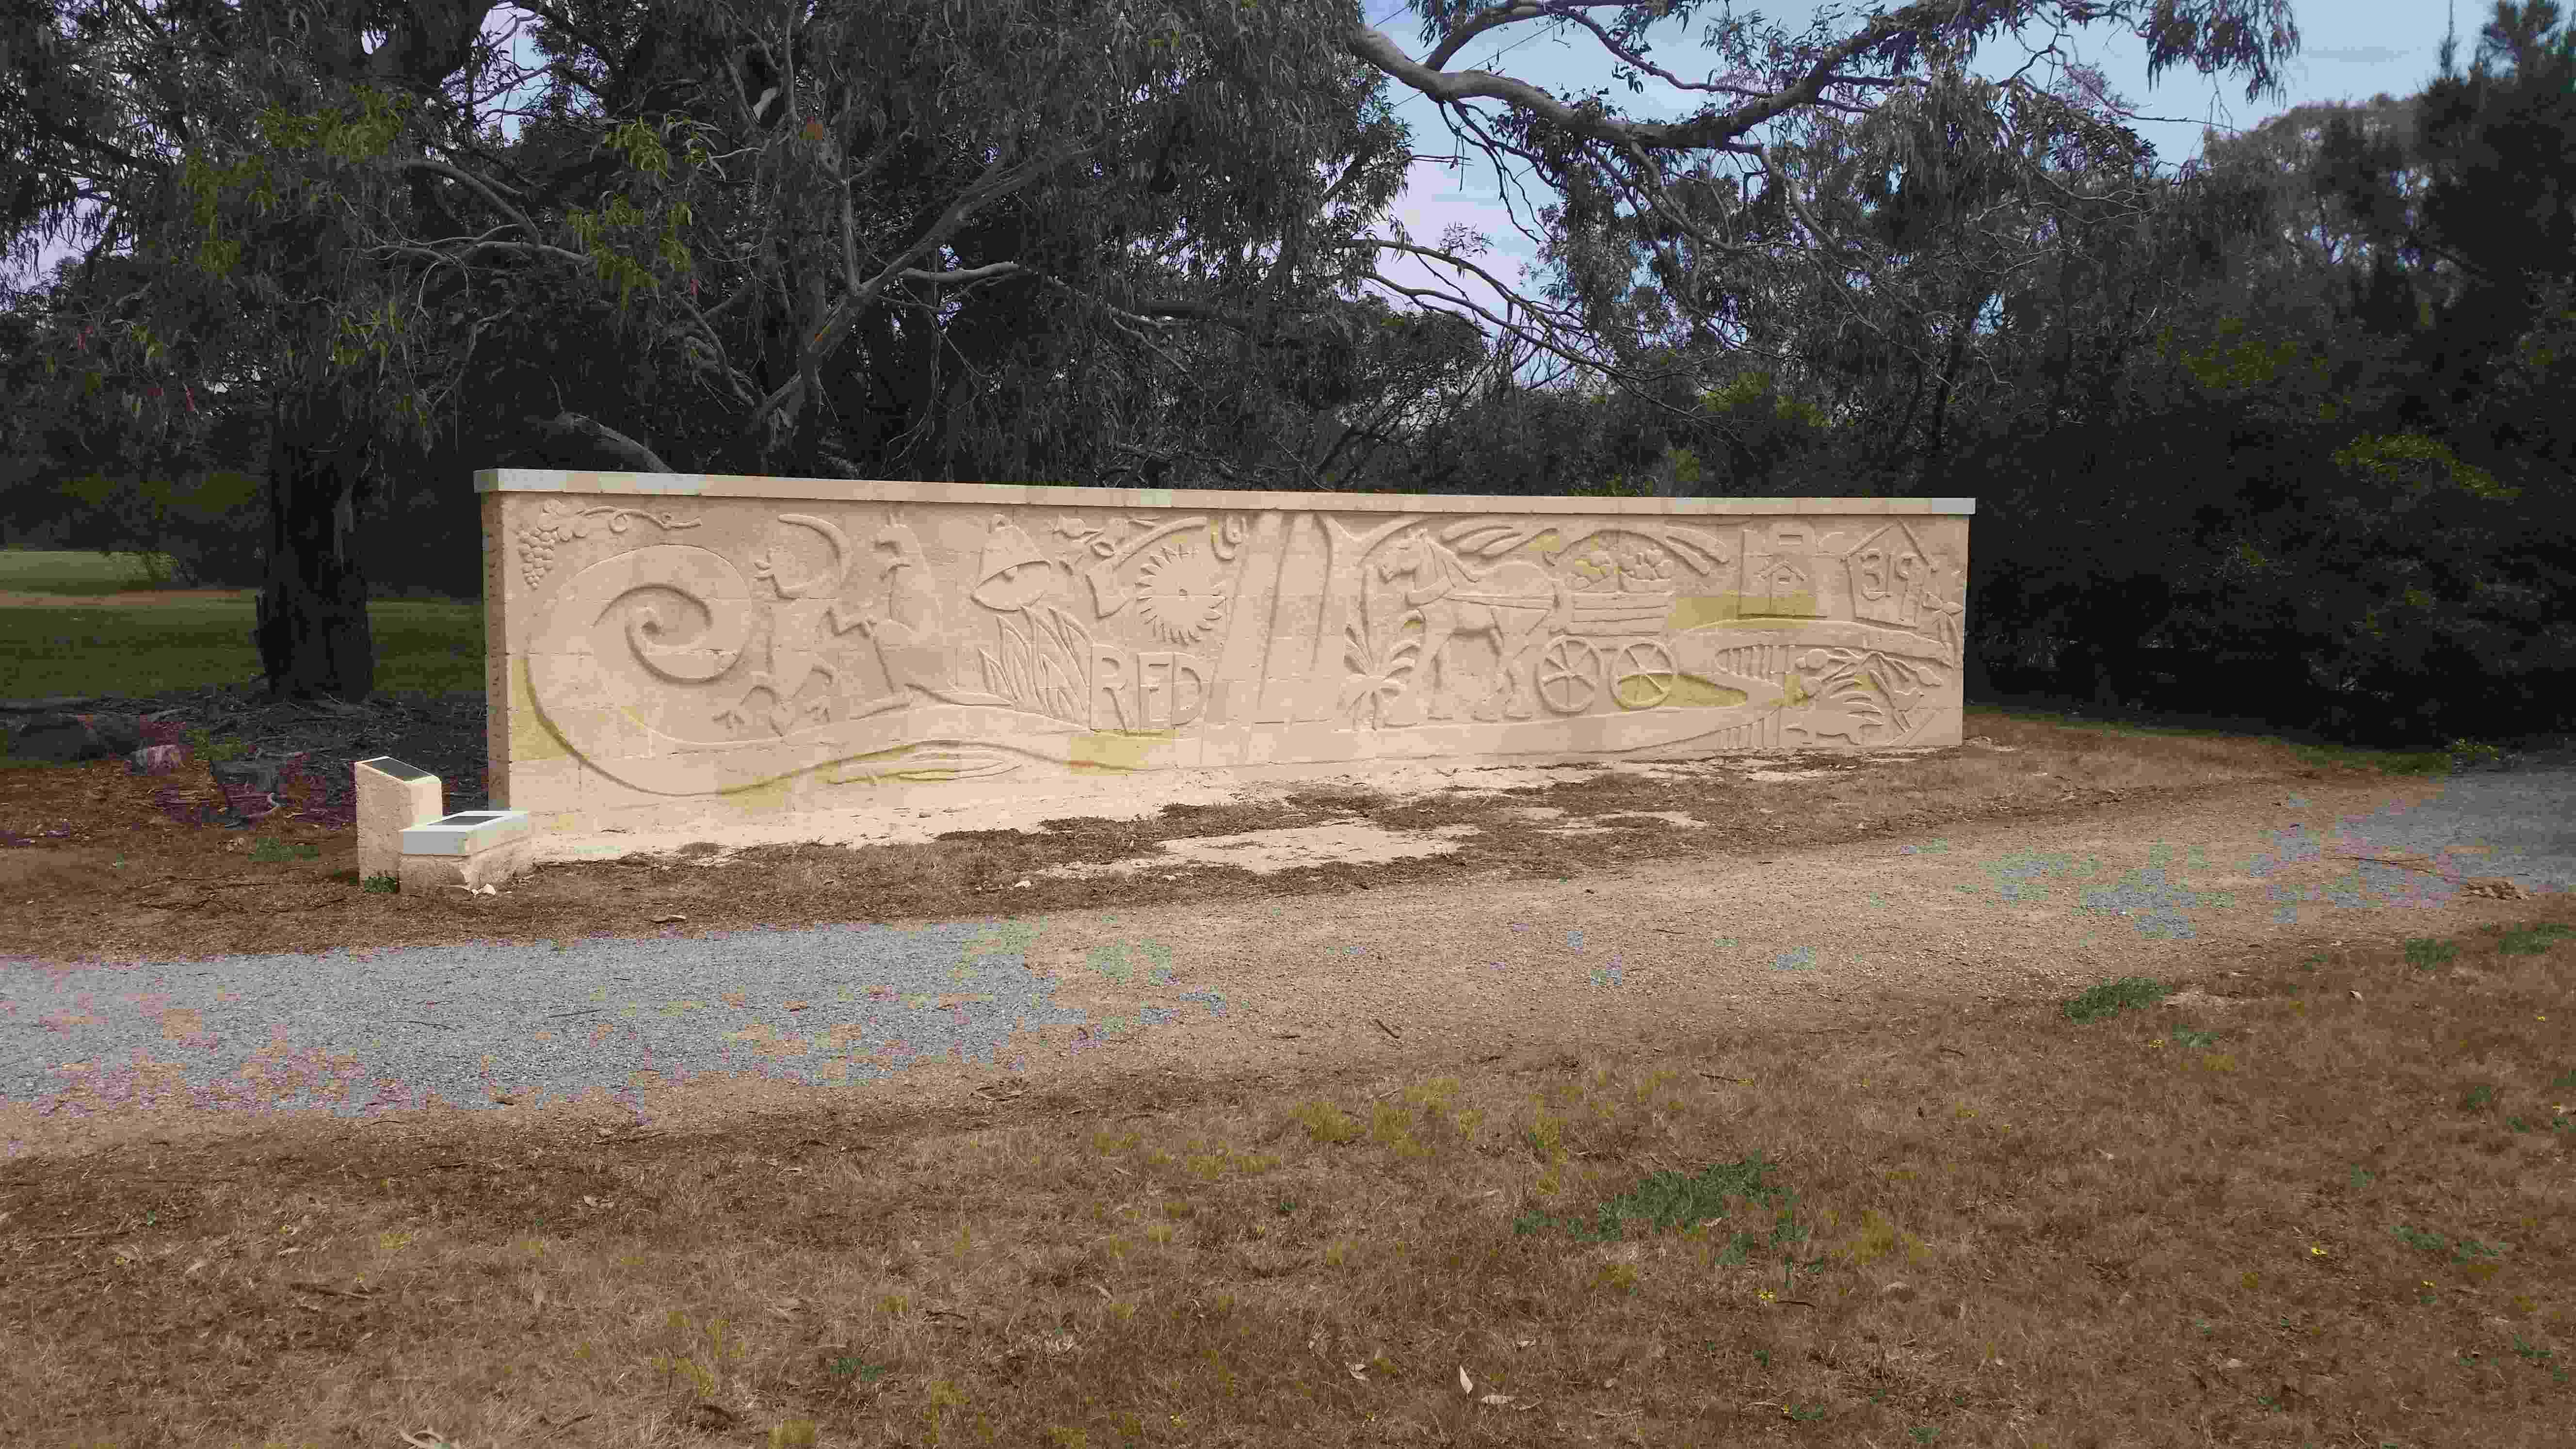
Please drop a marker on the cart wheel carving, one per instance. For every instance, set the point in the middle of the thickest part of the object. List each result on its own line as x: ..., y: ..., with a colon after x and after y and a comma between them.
x: 1651, y: 664
x: 1568, y: 665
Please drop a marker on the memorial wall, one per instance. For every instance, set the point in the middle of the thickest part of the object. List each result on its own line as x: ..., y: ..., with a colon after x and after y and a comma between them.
x: 678, y: 650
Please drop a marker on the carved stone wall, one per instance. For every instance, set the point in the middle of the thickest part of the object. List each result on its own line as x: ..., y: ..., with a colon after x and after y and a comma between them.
x: 671, y: 650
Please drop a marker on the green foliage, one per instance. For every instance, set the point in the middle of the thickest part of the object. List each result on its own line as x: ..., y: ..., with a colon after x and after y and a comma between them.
x: 203, y: 745
x: 169, y: 528
x: 2233, y: 428
x: 643, y: 150
x: 1719, y: 1193
x: 1617, y: 485
x: 2533, y: 941
x: 1754, y: 389
x: 2113, y: 997
x: 2424, y: 953
x: 2415, y: 465
x: 2243, y: 364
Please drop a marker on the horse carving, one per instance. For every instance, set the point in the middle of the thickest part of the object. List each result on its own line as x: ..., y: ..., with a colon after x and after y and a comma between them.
x: 1511, y: 601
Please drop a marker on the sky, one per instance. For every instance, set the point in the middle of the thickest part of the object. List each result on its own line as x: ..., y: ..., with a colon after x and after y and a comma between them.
x: 2349, y: 50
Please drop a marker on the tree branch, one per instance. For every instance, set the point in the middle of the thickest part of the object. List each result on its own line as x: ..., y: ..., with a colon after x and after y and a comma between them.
x: 489, y: 189
x: 572, y: 427
x: 1710, y: 130
x: 995, y: 184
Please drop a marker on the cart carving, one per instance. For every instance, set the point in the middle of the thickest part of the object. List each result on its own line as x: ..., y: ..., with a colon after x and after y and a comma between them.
x: 1607, y: 641
x: 1574, y: 644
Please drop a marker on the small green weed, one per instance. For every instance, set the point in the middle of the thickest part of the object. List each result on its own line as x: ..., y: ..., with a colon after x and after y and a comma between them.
x: 2473, y: 755
x: 1671, y: 1200
x: 2424, y: 952
x: 270, y: 849
x: 2465, y: 1250
x: 204, y: 746
x: 2532, y: 940
x: 381, y: 884
x: 2112, y: 997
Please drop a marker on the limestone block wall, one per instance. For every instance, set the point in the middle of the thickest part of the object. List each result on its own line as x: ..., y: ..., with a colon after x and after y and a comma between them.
x: 670, y: 651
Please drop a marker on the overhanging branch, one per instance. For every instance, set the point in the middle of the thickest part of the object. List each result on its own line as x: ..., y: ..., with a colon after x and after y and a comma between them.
x: 573, y: 427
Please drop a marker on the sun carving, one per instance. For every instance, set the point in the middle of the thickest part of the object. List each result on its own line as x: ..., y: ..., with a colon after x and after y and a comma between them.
x: 1183, y: 593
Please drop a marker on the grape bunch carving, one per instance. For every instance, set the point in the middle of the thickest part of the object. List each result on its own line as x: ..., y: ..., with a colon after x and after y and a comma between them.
x: 558, y: 522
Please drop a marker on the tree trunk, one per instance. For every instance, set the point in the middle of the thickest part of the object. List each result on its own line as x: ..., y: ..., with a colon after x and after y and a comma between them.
x: 313, y: 635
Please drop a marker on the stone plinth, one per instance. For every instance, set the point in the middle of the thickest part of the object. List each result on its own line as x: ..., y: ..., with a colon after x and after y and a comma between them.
x: 392, y: 798
x: 472, y: 849
x: 677, y: 651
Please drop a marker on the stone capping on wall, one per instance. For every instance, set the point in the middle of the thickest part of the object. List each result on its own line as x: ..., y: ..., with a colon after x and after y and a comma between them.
x: 680, y: 651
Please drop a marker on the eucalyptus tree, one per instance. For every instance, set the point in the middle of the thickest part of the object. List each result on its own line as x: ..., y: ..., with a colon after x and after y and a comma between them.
x: 325, y: 176
x: 2480, y: 187
x: 2334, y: 461
x: 205, y: 98
x: 61, y: 86
x: 1647, y: 193
x: 2431, y: 557
x: 307, y: 157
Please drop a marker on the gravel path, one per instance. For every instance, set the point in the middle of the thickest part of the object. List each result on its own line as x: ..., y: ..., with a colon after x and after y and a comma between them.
x: 660, y: 1030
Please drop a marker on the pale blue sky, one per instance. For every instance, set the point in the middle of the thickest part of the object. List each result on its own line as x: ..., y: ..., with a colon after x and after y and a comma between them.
x: 2349, y: 50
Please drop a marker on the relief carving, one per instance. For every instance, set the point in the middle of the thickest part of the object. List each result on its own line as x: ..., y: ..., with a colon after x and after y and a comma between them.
x: 560, y: 521
x: 959, y: 646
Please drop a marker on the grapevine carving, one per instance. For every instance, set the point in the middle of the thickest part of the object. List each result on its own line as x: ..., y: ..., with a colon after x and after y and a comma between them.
x: 560, y: 522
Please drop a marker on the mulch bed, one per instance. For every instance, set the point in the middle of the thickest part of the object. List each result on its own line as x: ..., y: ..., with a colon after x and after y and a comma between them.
x: 297, y: 755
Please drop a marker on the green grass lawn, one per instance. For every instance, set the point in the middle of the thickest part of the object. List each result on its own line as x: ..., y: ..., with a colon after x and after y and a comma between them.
x: 435, y: 646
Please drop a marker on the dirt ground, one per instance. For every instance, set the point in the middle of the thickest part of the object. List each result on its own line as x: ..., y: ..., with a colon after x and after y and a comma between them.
x: 1692, y: 866
x: 105, y: 861
x: 101, y: 862
x: 1722, y: 918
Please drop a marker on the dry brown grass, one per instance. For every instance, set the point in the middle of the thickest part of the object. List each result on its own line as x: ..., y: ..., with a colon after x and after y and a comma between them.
x: 2319, y: 1202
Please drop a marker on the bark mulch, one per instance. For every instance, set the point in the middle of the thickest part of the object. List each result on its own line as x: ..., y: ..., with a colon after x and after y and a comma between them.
x: 291, y: 759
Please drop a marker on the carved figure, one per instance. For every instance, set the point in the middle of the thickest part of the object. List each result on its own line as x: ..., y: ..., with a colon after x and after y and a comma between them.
x: 1512, y: 602
x: 911, y: 636
x: 797, y: 633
